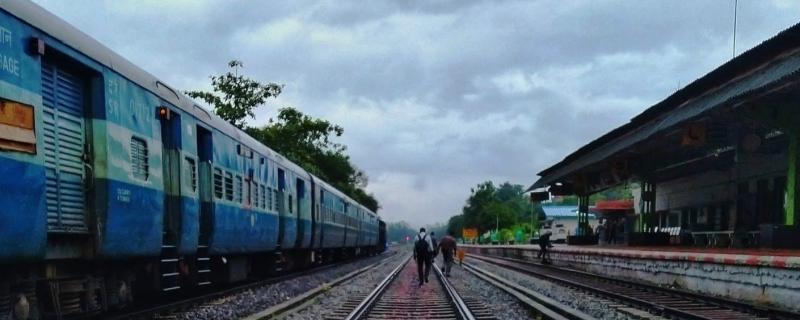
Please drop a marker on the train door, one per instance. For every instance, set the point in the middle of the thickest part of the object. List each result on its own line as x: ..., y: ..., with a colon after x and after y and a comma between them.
x: 205, y: 186
x: 66, y: 151
x: 171, y: 164
x: 345, y: 224
x: 315, y: 222
x: 282, y: 223
x: 300, y: 194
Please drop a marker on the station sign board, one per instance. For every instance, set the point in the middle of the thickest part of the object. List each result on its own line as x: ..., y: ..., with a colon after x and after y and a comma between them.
x: 469, y: 233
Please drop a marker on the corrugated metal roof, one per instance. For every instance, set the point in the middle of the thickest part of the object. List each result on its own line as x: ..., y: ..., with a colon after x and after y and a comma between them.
x: 560, y: 211
x: 768, y: 65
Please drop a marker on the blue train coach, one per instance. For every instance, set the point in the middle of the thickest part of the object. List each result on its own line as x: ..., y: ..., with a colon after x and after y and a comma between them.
x: 113, y: 185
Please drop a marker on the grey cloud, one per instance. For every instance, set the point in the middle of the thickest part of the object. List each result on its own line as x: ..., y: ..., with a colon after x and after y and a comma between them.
x: 436, y: 96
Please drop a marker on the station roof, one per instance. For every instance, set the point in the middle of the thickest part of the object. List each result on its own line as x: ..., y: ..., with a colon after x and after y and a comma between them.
x: 768, y: 66
x: 560, y: 211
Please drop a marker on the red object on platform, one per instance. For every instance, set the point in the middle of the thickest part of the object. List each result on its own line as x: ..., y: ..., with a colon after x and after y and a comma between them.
x: 613, y: 206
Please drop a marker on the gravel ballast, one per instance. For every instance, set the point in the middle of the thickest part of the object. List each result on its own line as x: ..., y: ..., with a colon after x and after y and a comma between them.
x: 591, y: 305
x: 325, y: 304
x: 255, y: 300
x: 503, y: 305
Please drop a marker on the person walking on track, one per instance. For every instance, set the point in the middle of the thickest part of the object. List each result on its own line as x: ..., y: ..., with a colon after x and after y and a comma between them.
x: 423, y: 254
x: 448, y: 248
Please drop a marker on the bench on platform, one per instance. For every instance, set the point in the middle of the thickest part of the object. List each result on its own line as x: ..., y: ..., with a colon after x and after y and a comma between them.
x: 713, y: 239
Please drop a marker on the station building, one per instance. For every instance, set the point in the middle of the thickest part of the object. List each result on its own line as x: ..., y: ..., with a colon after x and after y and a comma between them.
x: 715, y: 162
x: 714, y: 174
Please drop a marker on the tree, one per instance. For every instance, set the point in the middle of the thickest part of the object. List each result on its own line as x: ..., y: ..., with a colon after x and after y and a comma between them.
x: 304, y: 140
x: 455, y: 225
x: 308, y: 142
x: 235, y: 96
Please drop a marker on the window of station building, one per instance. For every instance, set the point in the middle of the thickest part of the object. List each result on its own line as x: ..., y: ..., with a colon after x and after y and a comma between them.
x: 228, y: 186
x: 238, y: 190
x: 190, y: 174
x: 217, y: 183
x: 139, y: 165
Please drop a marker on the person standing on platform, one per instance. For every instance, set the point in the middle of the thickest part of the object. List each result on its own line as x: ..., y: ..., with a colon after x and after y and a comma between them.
x: 448, y: 248
x: 544, y: 245
x: 601, y: 232
x: 423, y: 254
x: 611, y: 230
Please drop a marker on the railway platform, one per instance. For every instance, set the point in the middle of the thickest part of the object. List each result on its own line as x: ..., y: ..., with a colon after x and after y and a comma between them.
x: 768, y: 277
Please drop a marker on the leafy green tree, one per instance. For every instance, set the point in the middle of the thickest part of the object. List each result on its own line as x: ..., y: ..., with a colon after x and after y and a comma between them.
x: 455, y: 225
x: 489, y: 207
x: 236, y: 96
x: 304, y: 140
x: 308, y: 142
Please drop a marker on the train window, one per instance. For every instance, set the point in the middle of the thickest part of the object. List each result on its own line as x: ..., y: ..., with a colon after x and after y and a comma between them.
x: 217, y: 183
x: 237, y: 192
x: 263, y: 198
x: 275, y: 199
x: 290, y: 204
x: 254, y: 195
x: 269, y: 198
x: 191, y: 174
x: 139, y: 166
x: 228, y: 186
x: 253, y: 188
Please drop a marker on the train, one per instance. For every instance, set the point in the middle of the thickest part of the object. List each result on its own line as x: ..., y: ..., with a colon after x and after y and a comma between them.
x: 115, y: 186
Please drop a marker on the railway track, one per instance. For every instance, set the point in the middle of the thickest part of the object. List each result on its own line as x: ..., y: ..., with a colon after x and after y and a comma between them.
x: 670, y: 303
x: 167, y: 310
x: 399, y: 296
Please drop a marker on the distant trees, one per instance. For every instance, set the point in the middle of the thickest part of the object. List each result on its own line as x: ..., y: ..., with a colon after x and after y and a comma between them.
x: 491, y: 207
x: 398, y: 231
x: 304, y: 140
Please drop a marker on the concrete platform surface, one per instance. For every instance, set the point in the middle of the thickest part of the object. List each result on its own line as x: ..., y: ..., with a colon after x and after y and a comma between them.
x: 782, y: 259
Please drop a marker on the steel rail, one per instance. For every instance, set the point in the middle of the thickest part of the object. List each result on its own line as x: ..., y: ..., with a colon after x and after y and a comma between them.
x: 544, y: 306
x: 758, y: 311
x: 150, y: 312
x: 364, y: 307
x: 458, y: 305
x: 455, y: 299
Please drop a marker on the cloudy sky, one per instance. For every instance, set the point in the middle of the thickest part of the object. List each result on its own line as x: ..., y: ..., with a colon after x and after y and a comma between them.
x: 437, y: 96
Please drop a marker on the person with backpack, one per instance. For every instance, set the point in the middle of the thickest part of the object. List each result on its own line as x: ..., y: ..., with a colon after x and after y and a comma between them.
x: 423, y: 253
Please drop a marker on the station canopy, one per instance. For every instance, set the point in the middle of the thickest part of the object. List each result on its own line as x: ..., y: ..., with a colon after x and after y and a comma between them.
x: 655, y: 141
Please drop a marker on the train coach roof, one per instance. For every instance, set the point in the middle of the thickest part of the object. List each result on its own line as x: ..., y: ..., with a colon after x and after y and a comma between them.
x: 76, y: 39
x: 336, y: 192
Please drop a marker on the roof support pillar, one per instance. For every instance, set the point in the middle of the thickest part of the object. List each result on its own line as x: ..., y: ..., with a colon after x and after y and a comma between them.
x: 648, y: 207
x: 783, y: 116
x: 790, y: 206
x: 583, y: 215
